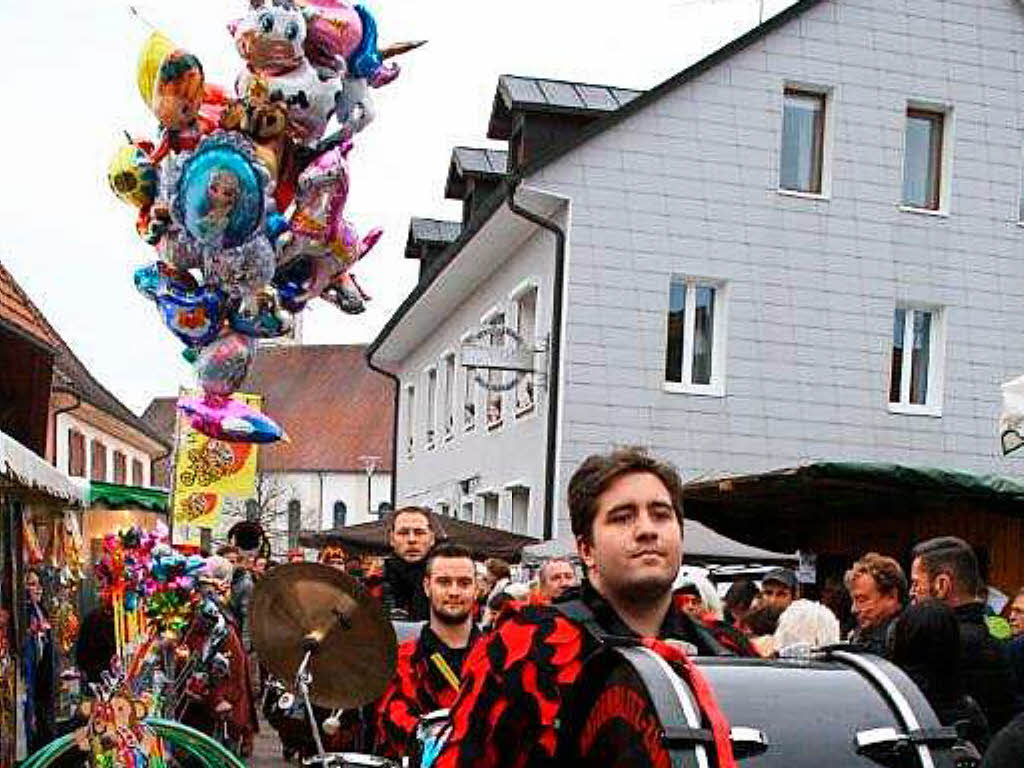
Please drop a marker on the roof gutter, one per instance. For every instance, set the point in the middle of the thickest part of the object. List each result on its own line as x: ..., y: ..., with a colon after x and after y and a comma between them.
x: 394, y: 421
x: 58, y: 412
x: 554, y: 361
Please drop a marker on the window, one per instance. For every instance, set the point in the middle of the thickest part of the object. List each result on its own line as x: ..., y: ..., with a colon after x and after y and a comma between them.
x: 467, y: 511
x: 693, y: 354
x: 76, y: 453
x: 410, y: 419
x: 137, y: 478
x: 922, y: 159
x: 340, y: 513
x: 803, y: 141
x: 915, y: 379
x: 468, y: 398
x: 294, y: 523
x: 520, y: 509
x: 431, y: 406
x: 99, y: 461
x: 526, y: 329
x: 490, y: 504
x: 443, y: 508
x: 448, y: 404
x: 495, y: 401
x: 120, y: 468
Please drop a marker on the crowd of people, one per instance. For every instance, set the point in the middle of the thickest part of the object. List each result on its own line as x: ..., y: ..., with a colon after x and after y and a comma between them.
x: 503, y: 653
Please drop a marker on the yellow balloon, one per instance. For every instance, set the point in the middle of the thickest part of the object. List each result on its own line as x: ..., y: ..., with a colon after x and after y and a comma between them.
x: 150, y: 57
x: 132, y: 176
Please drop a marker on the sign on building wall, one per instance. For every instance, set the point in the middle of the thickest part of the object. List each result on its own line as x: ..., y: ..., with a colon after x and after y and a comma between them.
x: 206, y: 473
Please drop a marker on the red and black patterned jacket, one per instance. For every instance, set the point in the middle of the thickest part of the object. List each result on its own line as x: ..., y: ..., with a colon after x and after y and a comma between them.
x: 418, y: 687
x: 516, y: 680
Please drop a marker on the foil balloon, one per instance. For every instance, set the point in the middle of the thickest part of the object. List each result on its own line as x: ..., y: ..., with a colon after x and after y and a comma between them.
x: 230, y: 420
x: 269, y: 321
x: 292, y: 282
x: 346, y: 294
x: 133, y: 176
x: 219, y: 195
x: 222, y: 365
x: 193, y: 313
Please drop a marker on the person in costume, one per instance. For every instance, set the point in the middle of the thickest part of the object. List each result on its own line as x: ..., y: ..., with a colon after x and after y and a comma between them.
x: 626, y: 511
x: 40, y: 659
x: 429, y: 669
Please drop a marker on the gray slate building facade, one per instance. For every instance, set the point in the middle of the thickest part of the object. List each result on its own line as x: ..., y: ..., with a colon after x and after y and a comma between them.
x: 807, y: 246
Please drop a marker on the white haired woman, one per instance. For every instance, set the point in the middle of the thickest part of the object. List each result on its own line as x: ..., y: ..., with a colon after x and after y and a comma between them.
x: 804, y: 625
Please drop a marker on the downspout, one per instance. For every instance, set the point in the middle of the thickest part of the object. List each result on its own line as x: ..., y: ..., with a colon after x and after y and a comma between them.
x: 58, y: 412
x: 556, y: 351
x: 394, y: 425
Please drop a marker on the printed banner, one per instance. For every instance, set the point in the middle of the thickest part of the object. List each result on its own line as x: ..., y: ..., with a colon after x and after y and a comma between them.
x: 206, y: 470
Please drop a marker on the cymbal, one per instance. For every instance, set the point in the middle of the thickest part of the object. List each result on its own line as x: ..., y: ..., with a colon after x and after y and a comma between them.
x: 302, y: 605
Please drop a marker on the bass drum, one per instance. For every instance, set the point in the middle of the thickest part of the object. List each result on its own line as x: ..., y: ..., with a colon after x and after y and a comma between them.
x: 836, y: 710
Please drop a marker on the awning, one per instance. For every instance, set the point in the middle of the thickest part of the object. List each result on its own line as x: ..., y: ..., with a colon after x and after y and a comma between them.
x: 369, y: 538
x: 700, y: 545
x: 858, y: 476
x: 130, y: 496
x: 22, y: 468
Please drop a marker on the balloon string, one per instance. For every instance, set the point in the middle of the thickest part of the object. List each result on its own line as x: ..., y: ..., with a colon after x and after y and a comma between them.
x: 135, y: 12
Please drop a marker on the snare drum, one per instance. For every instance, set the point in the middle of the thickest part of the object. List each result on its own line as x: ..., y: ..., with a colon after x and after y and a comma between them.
x: 837, y: 710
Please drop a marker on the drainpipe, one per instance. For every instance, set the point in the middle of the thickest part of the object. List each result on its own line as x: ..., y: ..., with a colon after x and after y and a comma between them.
x: 394, y: 426
x: 556, y: 351
x: 58, y: 412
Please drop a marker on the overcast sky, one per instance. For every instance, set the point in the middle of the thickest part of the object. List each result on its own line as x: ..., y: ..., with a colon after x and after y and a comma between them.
x: 68, y: 71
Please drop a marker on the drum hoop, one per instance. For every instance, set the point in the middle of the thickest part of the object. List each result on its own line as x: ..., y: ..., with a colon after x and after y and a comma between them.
x: 899, y: 702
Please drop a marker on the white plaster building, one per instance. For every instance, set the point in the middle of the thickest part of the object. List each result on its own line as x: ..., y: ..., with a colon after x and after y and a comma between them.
x: 803, y: 247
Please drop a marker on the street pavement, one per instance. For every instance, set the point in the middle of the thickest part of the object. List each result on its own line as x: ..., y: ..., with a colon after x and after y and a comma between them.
x: 266, y: 751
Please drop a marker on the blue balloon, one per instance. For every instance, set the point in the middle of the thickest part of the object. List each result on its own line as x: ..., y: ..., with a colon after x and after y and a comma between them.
x: 220, y: 195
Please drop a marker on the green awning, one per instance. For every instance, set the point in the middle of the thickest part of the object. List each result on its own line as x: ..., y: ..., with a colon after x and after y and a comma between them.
x: 130, y: 496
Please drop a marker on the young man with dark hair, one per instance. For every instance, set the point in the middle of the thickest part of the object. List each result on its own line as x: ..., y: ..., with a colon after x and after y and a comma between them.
x: 945, y: 568
x: 411, y: 535
x: 878, y: 591
x: 626, y: 512
x: 429, y: 669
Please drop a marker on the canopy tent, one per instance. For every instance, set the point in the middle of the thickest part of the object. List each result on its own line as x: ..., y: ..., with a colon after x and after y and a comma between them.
x: 370, y: 538
x: 127, y: 496
x: 24, y: 471
x: 700, y: 545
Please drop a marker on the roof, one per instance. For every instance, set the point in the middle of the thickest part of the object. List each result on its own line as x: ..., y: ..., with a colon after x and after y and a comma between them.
x: 435, y: 232
x: 470, y: 162
x: 535, y: 94
x: 71, y: 375
x: 515, y: 93
x: 333, y: 407
x: 700, y: 544
x: 160, y: 415
x: 18, y: 313
x: 370, y: 538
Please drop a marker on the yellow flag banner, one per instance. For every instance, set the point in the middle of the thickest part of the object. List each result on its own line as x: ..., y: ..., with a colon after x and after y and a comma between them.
x: 206, y: 470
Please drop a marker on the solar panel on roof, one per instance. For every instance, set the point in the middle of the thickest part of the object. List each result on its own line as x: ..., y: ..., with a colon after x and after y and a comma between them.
x: 560, y: 94
x: 624, y: 95
x: 597, y: 97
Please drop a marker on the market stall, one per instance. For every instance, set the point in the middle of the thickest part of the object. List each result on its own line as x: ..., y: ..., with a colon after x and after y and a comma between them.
x: 39, y: 520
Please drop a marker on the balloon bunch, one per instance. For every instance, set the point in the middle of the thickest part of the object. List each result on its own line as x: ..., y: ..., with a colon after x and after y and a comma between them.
x: 243, y: 197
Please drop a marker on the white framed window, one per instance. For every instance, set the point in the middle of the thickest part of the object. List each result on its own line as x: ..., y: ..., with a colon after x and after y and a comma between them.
x: 444, y: 509
x: 806, y: 141
x: 489, y: 501
x: 410, y: 420
x: 526, y: 330
x: 927, y: 158
x: 918, y: 360
x: 467, y: 511
x: 448, y: 401
x: 495, y: 411
x: 520, y: 502
x: 431, y: 407
x: 696, y: 335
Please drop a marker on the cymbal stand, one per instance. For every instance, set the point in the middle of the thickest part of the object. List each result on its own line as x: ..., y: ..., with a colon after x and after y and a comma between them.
x: 303, y: 679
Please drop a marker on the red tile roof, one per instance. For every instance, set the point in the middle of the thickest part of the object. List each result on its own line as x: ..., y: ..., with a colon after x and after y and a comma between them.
x: 18, y: 312
x: 333, y: 407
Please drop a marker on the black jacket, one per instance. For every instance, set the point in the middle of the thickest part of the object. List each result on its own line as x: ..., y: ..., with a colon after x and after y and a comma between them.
x: 876, y: 640
x: 987, y: 674
x: 1007, y: 747
x: 403, y: 589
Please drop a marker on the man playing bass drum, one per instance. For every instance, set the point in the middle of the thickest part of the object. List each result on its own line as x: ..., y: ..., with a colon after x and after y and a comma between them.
x: 626, y: 512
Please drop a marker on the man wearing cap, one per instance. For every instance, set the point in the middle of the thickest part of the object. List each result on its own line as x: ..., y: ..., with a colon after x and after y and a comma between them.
x: 778, y: 588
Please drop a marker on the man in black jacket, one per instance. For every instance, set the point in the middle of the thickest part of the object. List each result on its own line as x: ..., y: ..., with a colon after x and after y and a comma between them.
x: 947, y: 569
x: 411, y: 535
